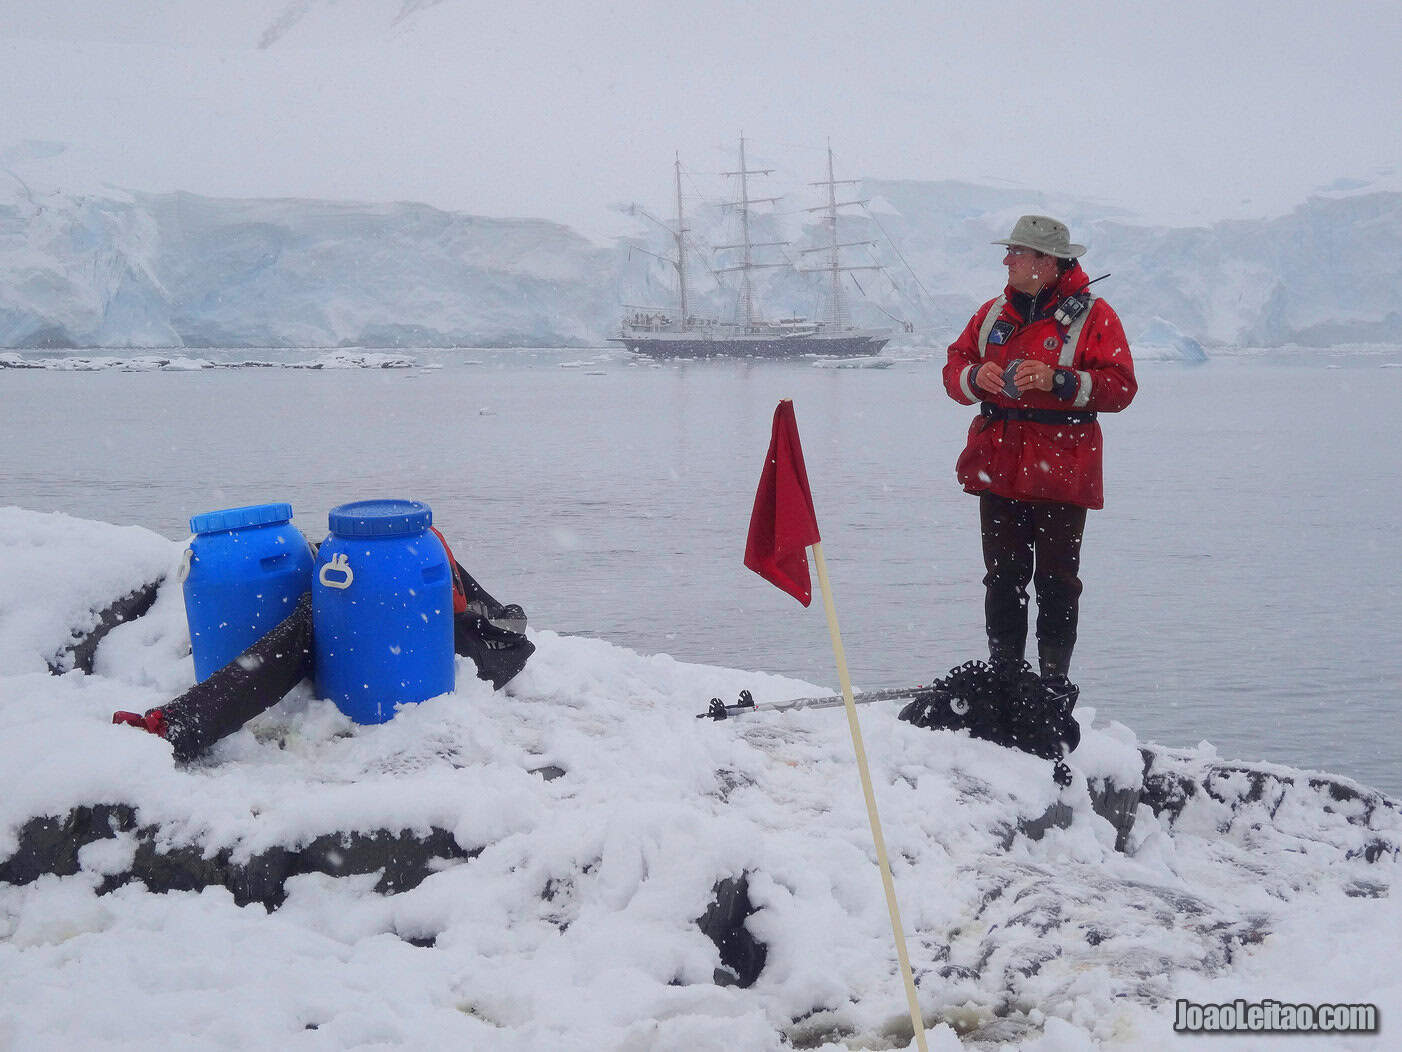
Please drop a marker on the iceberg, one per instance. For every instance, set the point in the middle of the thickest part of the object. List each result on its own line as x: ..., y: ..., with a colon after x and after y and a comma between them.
x: 1161, y: 340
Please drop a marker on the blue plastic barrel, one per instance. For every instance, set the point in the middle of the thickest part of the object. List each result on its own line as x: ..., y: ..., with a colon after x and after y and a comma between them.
x: 243, y: 573
x: 382, y: 609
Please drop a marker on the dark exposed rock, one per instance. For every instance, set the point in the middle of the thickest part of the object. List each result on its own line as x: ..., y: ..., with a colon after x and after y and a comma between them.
x: 1006, y: 832
x: 1030, y: 962
x: 1041, y: 913
x: 957, y: 971
x: 1000, y: 1032
x: 403, y: 859
x: 1057, y: 816
x: 50, y: 845
x: 727, y: 781
x: 1366, y: 889
x: 1219, y: 784
x: 177, y: 868
x: 560, y: 905
x: 1376, y: 849
x: 80, y: 652
x: 742, y: 956
x: 261, y: 879
x: 819, y: 1029
x: 1117, y: 806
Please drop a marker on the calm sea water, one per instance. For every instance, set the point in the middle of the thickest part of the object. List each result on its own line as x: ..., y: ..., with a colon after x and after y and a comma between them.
x: 1242, y: 584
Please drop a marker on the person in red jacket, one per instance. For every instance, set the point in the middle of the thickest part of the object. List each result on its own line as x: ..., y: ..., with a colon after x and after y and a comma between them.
x: 1041, y: 360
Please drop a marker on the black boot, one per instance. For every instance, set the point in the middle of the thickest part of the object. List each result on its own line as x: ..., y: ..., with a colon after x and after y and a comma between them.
x: 1055, y: 661
x: 1004, y: 653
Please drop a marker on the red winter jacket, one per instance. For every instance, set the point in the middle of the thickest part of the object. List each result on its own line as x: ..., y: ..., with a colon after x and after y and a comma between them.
x: 1027, y: 459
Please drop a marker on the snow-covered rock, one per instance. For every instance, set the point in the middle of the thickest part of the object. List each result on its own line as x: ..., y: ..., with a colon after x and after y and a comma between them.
x: 57, y: 575
x: 540, y: 859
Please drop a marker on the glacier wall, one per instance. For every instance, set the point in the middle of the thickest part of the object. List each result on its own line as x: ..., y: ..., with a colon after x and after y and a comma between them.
x: 128, y: 270
x: 179, y: 270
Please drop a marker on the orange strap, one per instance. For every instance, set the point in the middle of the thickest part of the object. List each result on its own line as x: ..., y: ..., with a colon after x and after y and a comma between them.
x: 459, y: 596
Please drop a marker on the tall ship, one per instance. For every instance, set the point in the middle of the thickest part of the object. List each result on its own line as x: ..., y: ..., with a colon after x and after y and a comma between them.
x: 679, y: 332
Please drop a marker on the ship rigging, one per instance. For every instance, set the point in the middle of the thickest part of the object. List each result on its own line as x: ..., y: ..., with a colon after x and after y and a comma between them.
x: 685, y: 334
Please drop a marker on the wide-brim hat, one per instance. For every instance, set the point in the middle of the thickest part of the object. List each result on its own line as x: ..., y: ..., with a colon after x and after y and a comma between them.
x: 1043, y: 234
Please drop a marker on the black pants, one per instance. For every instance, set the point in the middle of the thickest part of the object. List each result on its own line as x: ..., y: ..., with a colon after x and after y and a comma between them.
x: 1032, y: 541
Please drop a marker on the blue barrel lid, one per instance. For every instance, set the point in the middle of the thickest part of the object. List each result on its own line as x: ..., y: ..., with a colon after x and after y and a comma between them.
x: 240, y: 518
x: 380, y: 518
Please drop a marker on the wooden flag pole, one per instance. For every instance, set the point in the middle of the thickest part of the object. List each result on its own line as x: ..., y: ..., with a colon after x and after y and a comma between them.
x: 915, y: 1018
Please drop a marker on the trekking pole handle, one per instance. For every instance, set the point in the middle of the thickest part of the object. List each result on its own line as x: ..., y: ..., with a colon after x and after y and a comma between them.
x: 719, y: 710
x: 340, y: 564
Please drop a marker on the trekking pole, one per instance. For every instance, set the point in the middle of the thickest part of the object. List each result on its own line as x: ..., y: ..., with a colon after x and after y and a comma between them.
x: 746, y: 703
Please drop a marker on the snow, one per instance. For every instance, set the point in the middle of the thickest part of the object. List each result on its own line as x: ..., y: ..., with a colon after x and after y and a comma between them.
x: 574, y: 927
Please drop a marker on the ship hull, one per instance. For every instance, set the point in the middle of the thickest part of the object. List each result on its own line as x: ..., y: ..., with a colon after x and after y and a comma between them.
x: 661, y: 346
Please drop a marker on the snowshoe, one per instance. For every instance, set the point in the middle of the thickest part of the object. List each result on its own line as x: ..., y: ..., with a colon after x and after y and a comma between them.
x: 1007, y: 704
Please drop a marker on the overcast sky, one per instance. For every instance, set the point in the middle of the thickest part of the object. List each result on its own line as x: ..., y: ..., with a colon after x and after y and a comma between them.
x: 1188, y: 111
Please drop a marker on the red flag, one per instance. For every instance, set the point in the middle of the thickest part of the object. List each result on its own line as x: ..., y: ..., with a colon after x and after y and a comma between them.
x: 783, y: 523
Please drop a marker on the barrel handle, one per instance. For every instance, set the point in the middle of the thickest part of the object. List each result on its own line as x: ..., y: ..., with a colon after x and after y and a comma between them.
x: 185, y: 565
x: 340, y: 564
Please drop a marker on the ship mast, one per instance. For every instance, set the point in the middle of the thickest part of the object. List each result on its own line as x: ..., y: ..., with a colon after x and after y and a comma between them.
x: 748, y: 295
x: 677, y: 234
x: 834, y: 260
x: 837, y: 313
x: 747, y: 264
x: 681, y: 247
